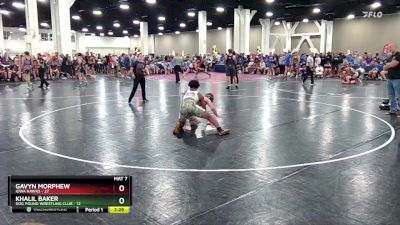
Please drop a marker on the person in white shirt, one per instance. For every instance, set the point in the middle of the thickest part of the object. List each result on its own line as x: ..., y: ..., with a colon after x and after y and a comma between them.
x: 319, y: 71
x: 309, y: 68
x: 261, y: 67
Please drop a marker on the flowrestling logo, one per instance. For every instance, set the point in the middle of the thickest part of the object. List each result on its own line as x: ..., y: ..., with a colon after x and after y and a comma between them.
x: 373, y: 14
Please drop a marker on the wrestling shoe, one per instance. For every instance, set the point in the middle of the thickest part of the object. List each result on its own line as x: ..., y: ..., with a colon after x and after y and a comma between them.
x: 178, y: 128
x: 223, y: 132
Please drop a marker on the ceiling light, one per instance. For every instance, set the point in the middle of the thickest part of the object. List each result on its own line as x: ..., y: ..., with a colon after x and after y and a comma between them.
x: 124, y: 31
x: 136, y: 22
x: 197, y: 30
x: 177, y: 32
x: 191, y: 14
x: 76, y: 17
x: 96, y: 12
x: 269, y: 1
x: 209, y: 24
x: 4, y: 12
x: 219, y: 28
x: 316, y: 10
x: 42, y: 0
x: 18, y: 5
x: 126, y: 36
x: 277, y: 23
x: 44, y: 24
x: 110, y: 33
x: 161, y: 28
x: 85, y: 30
x: 135, y: 35
x: 220, y: 9
x: 305, y: 20
x: 160, y: 34
x: 102, y: 34
x: 99, y: 27
x: 182, y: 25
x: 92, y: 34
x: 151, y: 1
x: 161, y: 18
x: 23, y: 29
x: 269, y: 14
x: 124, y: 6
x: 350, y: 16
x: 117, y: 25
x: 376, y: 5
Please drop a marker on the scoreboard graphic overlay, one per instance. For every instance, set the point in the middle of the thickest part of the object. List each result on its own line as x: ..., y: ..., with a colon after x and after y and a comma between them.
x: 70, y: 194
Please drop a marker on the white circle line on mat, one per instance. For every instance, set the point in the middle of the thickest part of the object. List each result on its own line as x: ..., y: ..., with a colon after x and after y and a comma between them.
x: 392, y: 136
x: 334, y: 95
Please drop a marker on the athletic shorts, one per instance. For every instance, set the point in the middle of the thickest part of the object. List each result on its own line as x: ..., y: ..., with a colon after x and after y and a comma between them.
x: 230, y: 71
x: 190, y: 108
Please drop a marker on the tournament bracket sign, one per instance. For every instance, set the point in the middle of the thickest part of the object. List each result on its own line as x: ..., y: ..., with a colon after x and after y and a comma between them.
x: 70, y: 194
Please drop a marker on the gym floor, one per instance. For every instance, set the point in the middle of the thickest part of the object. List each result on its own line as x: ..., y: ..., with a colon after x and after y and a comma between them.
x: 322, y: 154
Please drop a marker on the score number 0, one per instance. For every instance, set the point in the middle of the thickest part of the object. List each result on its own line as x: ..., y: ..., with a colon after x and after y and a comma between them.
x: 121, y: 200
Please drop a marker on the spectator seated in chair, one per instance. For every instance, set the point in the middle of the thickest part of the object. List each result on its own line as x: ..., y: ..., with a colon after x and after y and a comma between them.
x: 3, y: 73
x: 375, y: 72
x: 251, y: 67
x: 327, y: 70
x: 319, y: 71
x: 15, y: 75
x: 261, y: 67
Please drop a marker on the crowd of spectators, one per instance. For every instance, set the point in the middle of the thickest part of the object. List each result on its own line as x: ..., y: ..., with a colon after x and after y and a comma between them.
x: 349, y: 67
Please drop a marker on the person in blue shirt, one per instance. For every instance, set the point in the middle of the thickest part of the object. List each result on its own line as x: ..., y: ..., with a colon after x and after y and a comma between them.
x: 375, y: 72
x: 303, y: 59
x: 271, y: 64
x: 349, y: 59
x: 303, y: 71
x: 288, y: 60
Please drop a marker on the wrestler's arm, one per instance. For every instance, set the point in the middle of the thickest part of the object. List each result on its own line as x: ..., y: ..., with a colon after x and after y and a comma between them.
x: 212, y: 106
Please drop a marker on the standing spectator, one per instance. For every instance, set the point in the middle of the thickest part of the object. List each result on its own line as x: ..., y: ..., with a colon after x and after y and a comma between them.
x: 288, y: 60
x: 323, y: 59
x: 281, y: 63
x: 317, y: 59
x: 139, y: 70
x: 340, y: 61
x: 392, y: 72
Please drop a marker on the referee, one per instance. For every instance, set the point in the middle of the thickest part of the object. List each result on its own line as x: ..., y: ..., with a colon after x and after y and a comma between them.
x: 309, y: 69
x: 139, y: 71
x: 178, y: 62
x: 230, y: 63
